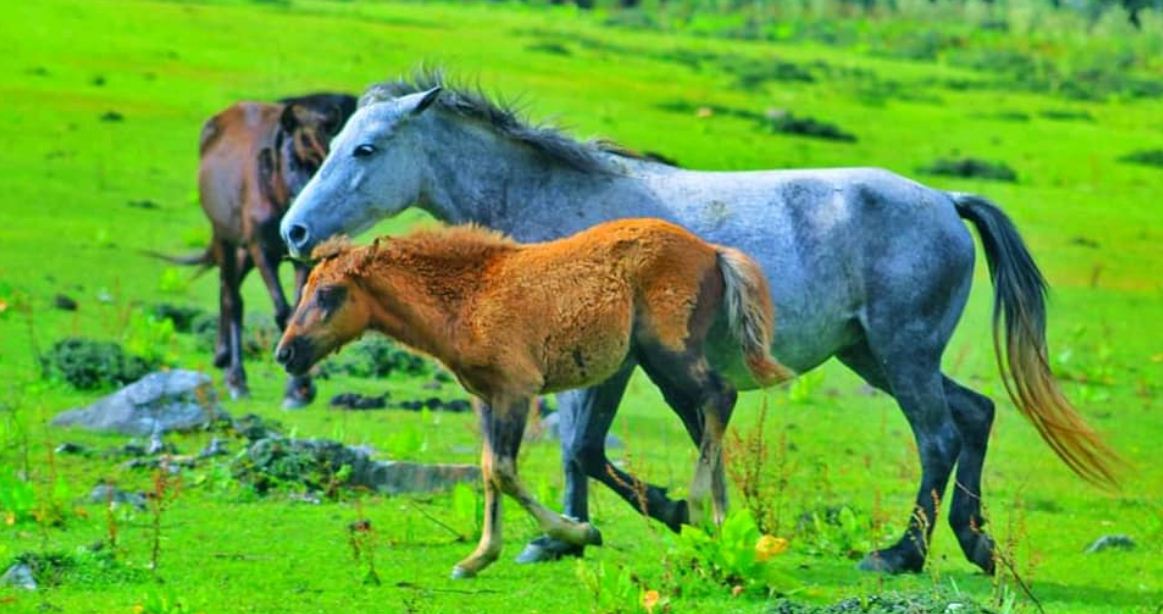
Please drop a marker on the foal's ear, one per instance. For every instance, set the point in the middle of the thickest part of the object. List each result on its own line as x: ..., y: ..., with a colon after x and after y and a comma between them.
x: 414, y: 104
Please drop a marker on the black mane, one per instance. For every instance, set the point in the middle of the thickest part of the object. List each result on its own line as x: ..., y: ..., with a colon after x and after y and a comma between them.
x: 473, y: 103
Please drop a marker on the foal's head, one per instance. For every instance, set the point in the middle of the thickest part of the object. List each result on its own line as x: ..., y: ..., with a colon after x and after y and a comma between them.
x: 335, y: 308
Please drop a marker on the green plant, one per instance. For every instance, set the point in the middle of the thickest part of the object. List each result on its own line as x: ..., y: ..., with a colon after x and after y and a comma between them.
x: 738, y: 557
x: 838, y: 531
x: 86, y: 364
x: 150, y: 338
x: 610, y: 591
x: 17, y: 498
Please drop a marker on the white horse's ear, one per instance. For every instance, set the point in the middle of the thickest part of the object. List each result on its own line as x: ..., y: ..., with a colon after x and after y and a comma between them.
x: 414, y: 104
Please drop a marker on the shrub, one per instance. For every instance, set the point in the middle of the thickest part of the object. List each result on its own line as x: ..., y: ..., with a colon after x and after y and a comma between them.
x: 971, y: 168
x: 88, y: 365
x: 374, y: 357
x: 787, y: 123
x: 1146, y: 157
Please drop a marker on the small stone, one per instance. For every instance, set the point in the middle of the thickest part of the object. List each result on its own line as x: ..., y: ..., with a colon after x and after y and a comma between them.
x: 64, y: 303
x: 1106, y: 542
x: 112, y: 116
x: 216, y: 447
x: 433, y: 403
x: 19, y: 575
x: 108, y: 493
x: 69, y: 448
x: 458, y: 406
x: 433, y: 384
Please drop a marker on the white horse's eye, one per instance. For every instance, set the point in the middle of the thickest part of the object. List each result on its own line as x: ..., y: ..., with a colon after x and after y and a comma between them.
x: 363, y: 151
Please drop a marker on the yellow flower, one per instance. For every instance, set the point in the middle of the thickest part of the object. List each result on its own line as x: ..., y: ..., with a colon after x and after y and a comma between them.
x: 769, y: 546
x: 3, y: 305
x: 10, y: 518
x: 650, y: 599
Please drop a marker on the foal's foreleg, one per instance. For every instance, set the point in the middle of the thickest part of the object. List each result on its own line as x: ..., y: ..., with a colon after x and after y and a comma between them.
x: 503, y: 426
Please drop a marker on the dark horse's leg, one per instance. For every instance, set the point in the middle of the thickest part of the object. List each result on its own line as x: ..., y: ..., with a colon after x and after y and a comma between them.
x: 231, y: 268
x: 973, y: 414
x: 300, y: 390
x: 585, y: 420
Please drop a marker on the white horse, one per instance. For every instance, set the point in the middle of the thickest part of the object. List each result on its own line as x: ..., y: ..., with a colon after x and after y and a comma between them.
x: 863, y: 264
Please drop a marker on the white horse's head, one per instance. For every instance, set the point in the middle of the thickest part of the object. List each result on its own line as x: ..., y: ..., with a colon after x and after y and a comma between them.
x: 374, y: 171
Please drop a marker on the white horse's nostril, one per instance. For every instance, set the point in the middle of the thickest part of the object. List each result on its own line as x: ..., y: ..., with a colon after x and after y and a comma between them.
x: 297, y: 235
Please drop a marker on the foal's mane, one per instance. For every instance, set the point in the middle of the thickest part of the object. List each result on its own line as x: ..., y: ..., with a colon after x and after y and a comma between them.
x: 468, y: 244
x: 473, y: 102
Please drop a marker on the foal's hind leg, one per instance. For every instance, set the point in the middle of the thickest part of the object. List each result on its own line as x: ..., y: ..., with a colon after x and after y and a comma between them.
x: 704, y: 402
x: 973, y: 414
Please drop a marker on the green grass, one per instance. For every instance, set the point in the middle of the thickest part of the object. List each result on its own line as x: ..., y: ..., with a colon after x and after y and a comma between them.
x: 1090, y: 219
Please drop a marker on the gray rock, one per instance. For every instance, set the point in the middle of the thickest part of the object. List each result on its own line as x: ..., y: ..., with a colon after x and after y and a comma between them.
x: 104, y: 493
x: 19, y: 575
x: 164, y: 401
x: 1106, y: 542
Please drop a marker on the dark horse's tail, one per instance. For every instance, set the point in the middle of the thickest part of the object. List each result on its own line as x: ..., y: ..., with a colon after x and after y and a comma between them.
x: 1020, y: 296
x: 204, y: 261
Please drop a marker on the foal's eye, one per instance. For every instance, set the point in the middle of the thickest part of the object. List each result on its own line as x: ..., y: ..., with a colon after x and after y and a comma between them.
x: 363, y: 151
x: 329, y: 297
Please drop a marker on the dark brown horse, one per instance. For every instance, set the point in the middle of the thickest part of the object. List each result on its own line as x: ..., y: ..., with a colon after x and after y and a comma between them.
x: 254, y: 158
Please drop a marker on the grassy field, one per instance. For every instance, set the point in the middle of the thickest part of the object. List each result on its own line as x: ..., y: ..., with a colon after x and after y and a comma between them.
x: 71, y: 171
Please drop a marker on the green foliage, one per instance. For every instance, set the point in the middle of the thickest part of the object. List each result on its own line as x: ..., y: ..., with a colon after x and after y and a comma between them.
x: 150, y: 338
x: 86, y: 364
x: 374, y: 357
x: 611, y: 591
x: 971, y: 168
x: 297, y: 464
x: 1146, y: 157
x: 838, y: 531
x: 733, y: 557
x: 18, y: 501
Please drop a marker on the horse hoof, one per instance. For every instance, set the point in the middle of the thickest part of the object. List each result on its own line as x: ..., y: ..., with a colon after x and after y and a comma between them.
x: 460, y: 573
x: 593, y: 535
x: 890, y: 561
x: 545, y: 549
x: 238, y: 392
x: 294, y: 402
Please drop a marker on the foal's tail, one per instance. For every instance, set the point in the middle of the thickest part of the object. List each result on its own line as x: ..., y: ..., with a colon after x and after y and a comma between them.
x: 1020, y: 295
x: 751, y: 315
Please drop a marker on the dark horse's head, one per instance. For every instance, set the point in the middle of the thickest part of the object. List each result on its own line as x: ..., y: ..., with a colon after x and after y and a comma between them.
x: 301, y: 141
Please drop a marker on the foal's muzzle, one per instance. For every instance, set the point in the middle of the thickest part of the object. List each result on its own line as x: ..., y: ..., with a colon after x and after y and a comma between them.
x: 295, y: 355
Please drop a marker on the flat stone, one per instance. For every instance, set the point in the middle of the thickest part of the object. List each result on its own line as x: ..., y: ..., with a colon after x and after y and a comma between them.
x: 396, y: 477
x: 160, y: 402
